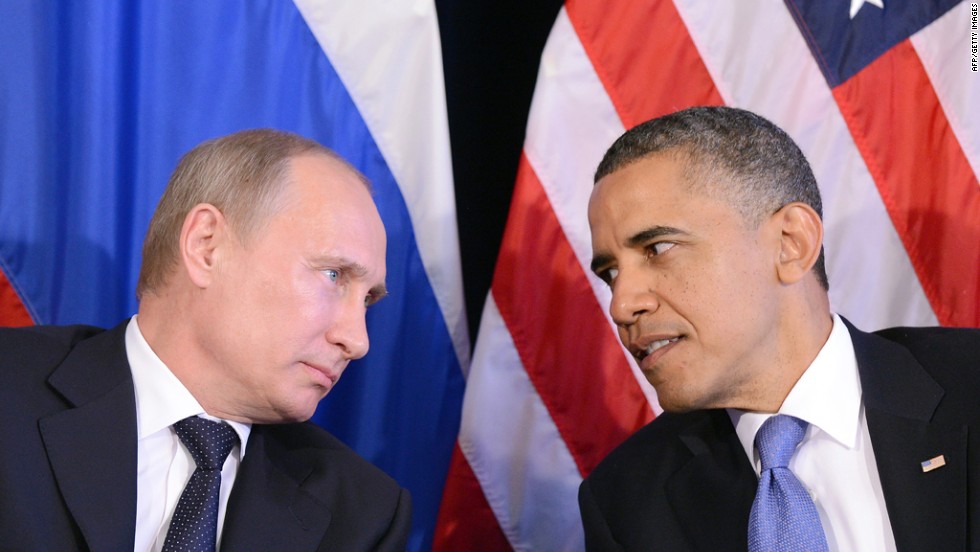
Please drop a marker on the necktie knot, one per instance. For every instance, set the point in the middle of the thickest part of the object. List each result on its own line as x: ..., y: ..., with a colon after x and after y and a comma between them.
x: 194, y: 525
x: 783, y: 515
x: 208, y: 442
x: 777, y: 440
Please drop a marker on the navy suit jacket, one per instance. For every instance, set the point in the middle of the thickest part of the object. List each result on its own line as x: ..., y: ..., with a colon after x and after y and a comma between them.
x: 683, y: 482
x: 68, y: 462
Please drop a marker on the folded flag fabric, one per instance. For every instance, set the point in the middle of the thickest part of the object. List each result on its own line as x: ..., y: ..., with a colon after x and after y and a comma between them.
x: 880, y: 95
x: 99, y: 100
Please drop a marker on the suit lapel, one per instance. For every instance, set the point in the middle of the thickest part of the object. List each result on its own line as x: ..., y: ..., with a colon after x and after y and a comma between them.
x: 712, y: 493
x: 268, y: 494
x: 927, y: 510
x: 92, y: 446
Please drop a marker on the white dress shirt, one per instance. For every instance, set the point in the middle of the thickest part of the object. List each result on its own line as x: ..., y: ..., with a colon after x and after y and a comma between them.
x: 163, y: 464
x: 835, y: 461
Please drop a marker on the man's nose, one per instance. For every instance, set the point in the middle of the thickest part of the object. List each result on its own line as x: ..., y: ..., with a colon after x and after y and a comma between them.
x: 632, y: 295
x: 349, y: 330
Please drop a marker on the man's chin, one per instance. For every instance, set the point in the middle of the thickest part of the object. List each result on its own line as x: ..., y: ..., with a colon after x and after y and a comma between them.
x: 680, y: 402
x: 677, y: 408
x: 305, y: 413
x: 294, y: 412
x: 677, y: 401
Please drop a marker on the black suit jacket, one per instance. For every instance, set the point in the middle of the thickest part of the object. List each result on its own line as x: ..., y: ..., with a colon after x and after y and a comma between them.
x: 683, y: 482
x: 68, y: 462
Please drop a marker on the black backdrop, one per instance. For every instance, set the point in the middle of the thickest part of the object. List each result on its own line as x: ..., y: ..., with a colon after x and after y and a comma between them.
x: 490, y: 50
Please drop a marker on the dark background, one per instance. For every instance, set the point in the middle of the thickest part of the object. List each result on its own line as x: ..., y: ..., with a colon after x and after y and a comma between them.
x: 490, y: 52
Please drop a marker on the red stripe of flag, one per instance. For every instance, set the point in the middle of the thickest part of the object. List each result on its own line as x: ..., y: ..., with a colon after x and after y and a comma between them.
x: 923, y: 176
x: 563, y: 339
x: 644, y: 56
x: 12, y: 310
x: 466, y: 521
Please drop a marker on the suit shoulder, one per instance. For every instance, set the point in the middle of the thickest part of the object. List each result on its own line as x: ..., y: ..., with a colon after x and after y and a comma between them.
x: 370, y: 511
x: 951, y: 356
x: 940, y: 350
x: 658, y: 448
x: 47, y: 337
x: 34, y: 346
x: 694, y: 459
x: 934, y: 340
x: 327, y: 452
x: 302, y: 468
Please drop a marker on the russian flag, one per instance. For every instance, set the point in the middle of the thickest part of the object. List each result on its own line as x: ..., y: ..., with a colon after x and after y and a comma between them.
x: 98, y: 100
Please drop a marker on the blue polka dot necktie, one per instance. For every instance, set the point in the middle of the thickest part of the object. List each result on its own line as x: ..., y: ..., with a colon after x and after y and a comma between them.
x: 783, y: 517
x: 194, y: 526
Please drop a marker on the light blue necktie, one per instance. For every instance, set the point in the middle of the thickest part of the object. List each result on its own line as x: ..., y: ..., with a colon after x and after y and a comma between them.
x: 783, y: 517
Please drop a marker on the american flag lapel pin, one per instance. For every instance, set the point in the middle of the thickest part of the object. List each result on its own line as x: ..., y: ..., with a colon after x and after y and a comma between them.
x: 933, y: 463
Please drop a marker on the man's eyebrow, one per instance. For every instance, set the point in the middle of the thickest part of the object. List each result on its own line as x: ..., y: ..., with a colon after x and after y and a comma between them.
x: 354, y: 268
x: 643, y: 236
x: 378, y: 293
x: 357, y: 270
x: 345, y: 264
x: 600, y: 260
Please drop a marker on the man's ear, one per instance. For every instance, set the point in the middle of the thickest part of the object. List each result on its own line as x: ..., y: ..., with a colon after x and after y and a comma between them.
x: 202, y: 233
x: 800, y: 241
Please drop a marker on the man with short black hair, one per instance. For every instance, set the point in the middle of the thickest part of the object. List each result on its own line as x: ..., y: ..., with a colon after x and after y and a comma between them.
x: 785, y: 428
x: 185, y: 428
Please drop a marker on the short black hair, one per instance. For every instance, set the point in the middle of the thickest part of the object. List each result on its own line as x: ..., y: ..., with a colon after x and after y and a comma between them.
x: 743, y: 157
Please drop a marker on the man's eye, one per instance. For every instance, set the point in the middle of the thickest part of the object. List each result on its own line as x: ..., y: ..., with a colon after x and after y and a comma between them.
x: 660, y: 248
x: 609, y: 275
x: 332, y: 274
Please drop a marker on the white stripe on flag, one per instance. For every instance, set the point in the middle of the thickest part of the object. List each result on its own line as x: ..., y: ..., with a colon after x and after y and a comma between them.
x: 397, y: 85
x: 865, y: 274
x: 527, y: 473
x: 944, y: 49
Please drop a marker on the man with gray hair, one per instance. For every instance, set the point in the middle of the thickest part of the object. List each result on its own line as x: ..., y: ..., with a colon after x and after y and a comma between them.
x: 185, y: 428
x: 784, y: 426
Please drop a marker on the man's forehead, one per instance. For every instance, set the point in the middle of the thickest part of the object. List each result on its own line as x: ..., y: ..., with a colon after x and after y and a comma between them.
x: 631, y: 207
x: 651, y: 170
x: 638, y: 189
x: 666, y: 183
x: 325, y: 169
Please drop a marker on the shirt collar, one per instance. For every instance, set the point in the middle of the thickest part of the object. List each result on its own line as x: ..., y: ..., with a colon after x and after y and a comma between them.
x: 827, y: 395
x: 161, y: 399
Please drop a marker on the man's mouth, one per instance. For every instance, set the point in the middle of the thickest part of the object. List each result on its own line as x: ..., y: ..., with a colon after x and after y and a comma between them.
x: 327, y: 374
x: 655, y: 346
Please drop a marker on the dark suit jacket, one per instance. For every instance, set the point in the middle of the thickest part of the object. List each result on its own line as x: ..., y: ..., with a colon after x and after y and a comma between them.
x: 68, y: 462
x: 683, y: 482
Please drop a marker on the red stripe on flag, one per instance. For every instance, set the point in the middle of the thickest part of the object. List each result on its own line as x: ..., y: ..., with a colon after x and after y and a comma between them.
x: 12, y: 310
x: 644, y: 56
x: 923, y: 176
x: 565, y: 343
x: 466, y: 521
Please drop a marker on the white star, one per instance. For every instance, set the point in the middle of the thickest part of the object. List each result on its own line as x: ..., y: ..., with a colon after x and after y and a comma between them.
x: 856, y: 5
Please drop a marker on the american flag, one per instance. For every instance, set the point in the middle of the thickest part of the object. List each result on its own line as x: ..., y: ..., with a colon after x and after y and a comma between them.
x: 934, y: 463
x: 881, y: 97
